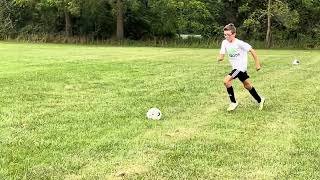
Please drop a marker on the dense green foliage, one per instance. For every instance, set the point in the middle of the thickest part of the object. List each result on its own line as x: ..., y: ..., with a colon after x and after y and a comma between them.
x: 92, y: 20
x: 78, y: 112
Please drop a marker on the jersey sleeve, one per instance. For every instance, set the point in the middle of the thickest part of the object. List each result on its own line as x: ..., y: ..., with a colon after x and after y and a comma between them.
x: 245, y: 46
x: 223, y: 48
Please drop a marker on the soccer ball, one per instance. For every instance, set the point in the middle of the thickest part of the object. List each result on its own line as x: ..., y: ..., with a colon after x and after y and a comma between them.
x: 296, y: 62
x: 154, y: 114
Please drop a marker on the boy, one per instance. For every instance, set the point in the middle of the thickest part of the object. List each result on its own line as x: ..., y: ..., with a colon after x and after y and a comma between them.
x: 237, y: 51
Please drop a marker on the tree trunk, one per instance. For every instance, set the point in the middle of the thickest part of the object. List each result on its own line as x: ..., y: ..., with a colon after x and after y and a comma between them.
x: 119, y: 19
x: 68, y: 27
x: 7, y: 20
x: 268, y: 36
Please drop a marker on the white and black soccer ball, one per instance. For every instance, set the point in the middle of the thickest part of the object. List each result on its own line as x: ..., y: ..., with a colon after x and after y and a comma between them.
x: 154, y: 114
x: 295, y: 62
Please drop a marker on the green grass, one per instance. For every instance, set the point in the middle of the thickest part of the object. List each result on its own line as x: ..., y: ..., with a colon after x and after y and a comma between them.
x: 78, y: 112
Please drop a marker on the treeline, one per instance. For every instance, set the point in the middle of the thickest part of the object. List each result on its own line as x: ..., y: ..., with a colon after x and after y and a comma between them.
x: 273, y: 23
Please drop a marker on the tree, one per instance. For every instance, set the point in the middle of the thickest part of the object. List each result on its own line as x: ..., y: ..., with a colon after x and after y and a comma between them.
x: 68, y: 8
x: 120, y: 10
x: 96, y: 20
x: 120, y: 27
x: 265, y: 20
x: 268, y: 38
x: 6, y: 22
x: 170, y: 17
x: 273, y: 13
x: 191, y: 16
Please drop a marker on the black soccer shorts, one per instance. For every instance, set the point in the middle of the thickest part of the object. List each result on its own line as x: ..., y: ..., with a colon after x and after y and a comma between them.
x: 235, y: 73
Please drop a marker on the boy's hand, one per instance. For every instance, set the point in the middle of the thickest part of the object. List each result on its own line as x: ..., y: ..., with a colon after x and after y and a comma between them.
x: 258, y: 67
x: 220, y: 58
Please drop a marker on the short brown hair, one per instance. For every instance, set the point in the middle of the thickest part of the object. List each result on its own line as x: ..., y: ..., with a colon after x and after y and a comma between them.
x: 230, y: 27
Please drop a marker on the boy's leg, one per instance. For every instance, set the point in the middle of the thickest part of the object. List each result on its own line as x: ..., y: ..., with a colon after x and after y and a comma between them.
x: 247, y: 84
x: 228, y: 84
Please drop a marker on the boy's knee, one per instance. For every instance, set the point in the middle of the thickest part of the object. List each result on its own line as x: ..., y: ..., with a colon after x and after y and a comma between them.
x: 227, y: 83
x: 247, y: 86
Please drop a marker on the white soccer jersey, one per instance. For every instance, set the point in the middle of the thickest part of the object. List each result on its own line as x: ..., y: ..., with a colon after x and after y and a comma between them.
x: 237, y: 52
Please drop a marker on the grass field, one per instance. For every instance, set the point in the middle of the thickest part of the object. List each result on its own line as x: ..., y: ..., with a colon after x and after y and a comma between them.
x: 78, y: 112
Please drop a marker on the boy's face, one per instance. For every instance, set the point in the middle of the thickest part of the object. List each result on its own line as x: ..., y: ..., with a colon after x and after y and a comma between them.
x: 229, y: 35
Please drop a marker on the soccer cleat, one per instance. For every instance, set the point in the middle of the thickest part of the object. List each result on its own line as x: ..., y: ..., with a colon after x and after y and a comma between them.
x: 261, y: 103
x: 232, y: 106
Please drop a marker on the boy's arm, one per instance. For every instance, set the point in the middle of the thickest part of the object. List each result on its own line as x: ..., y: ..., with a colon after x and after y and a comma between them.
x: 256, y: 60
x: 220, y: 57
x: 222, y: 52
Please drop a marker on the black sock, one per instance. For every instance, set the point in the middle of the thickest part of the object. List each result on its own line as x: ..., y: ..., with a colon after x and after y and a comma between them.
x: 254, y: 93
x: 231, y: 94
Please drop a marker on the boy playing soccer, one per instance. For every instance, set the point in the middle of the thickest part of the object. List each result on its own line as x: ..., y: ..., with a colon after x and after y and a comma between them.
x: 237, y: 51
